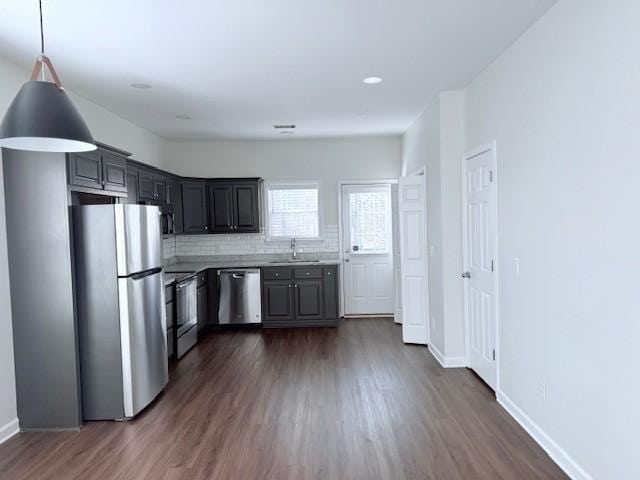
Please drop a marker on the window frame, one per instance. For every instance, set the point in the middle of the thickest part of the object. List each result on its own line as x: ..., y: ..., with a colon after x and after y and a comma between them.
x: 292, y: 185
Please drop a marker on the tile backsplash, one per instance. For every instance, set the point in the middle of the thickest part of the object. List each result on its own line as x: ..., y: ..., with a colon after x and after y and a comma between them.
x: 250, y: 243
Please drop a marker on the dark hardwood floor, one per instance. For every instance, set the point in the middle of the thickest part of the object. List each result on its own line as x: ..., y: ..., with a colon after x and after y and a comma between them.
x: 346, y: 403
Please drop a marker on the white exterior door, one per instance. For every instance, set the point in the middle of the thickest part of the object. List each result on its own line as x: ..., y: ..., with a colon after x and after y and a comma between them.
x: 480, y: 261
x: 368, y: 250
x: 413, y: 258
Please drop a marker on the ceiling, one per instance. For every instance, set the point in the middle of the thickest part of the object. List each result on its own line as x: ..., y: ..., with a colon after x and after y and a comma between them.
x: 239, y: 67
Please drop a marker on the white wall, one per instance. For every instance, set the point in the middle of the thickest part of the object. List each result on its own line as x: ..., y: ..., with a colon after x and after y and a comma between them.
x: 106, y: 127
x: 563, y: 105
x: 436, y: 140
x: 326, y: 160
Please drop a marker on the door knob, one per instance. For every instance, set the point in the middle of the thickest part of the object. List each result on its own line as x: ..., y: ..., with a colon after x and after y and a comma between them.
x: 466, y: 275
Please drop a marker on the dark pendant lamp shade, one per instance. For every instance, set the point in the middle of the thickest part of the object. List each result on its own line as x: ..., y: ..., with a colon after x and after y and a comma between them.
x: 42, y: 118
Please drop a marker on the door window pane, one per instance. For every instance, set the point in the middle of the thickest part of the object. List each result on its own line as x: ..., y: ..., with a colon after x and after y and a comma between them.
x: 370, y: 222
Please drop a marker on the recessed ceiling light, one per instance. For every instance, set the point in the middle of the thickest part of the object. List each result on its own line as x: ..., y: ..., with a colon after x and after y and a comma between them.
x: 372, y: 80
x: 141, y: 86
x: 183, y: 117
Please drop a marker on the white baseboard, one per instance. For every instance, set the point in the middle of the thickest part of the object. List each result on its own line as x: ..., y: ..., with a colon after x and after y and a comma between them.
x: 557, y: 454
x: 447, y: 362
x: 9, y: 430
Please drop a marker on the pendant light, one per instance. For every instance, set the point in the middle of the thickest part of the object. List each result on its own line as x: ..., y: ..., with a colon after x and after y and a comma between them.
x: 42, y: 118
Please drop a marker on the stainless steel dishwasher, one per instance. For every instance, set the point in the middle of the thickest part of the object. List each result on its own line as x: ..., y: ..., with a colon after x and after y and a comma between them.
x: 239, y: 296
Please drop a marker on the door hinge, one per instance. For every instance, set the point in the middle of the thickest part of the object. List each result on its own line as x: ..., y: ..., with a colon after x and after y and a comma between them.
x: 492, y: 265
x: 494, y: 354
x: 491, y: 176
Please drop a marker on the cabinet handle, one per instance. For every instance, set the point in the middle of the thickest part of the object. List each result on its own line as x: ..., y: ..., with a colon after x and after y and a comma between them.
x: 296, y: 285
x: 289, y: 285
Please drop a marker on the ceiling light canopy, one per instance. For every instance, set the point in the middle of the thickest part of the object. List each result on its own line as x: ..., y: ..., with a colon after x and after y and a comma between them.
x: 42, y: 117
x: 372, y: 80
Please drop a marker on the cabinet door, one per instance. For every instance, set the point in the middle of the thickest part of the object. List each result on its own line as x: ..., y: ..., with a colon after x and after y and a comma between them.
x: 308, y: 299
x: 174, y: 198
x: 245, y: 203
x: 132, y: 186
x: 203, y: 308
x: 145, y: 185
x: 194, y: 207
x: 85, y: 169
x: 221, y: 217
x: 114, y: 173
x: 277, y: 300
x: 331, y: 297
x: 159, y: 188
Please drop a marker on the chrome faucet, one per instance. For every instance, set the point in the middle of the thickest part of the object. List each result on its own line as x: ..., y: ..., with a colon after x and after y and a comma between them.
x: 292, y: 244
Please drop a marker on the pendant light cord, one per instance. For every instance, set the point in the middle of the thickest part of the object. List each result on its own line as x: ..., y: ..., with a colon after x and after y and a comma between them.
x: 41, y: 30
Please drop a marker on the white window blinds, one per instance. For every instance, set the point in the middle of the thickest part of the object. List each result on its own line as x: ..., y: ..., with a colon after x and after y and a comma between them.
x: 370, y: 221
x: 293, y: 211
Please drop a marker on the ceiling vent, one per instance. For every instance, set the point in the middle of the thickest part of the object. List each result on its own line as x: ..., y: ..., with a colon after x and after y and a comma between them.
x: 284, y: 127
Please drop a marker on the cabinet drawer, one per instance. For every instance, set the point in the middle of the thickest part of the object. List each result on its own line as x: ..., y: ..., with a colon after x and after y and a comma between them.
x: 308, y: 273
x: 202, y: 279
x: 276, y: 273
x: 169, y: 293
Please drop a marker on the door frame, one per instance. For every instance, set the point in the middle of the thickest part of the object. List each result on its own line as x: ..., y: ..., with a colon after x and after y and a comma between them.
x: 341, y: 183
x: 488, y: 147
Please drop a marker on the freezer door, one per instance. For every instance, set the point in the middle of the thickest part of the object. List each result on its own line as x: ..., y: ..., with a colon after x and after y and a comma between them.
x: 138, y: 238
x: 143, y: 327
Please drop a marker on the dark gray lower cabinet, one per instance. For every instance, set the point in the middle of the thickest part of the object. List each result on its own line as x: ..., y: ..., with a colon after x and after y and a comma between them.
x: 203, y: 300
x: 300, y: 296
x: 170, y: 308
x: 277, y: 301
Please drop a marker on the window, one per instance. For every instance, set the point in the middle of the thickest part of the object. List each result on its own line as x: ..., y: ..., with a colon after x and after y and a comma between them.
x: 293, y: 211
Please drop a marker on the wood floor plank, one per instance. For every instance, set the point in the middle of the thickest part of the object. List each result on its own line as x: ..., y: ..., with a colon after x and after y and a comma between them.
x: 319, y: 403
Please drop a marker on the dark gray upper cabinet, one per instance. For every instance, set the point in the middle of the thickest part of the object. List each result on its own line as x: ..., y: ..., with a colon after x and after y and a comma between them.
x: 145, y: 185
x: 132, y: 186
x: 174, y: 198
x: 194, y: 207
x: 85, y: 169
x: 159, y: 188
x: 234, y: 206
x: 114, y: 172
x: 98, y: 170
x: 220, y: 207
x: 246, y: 205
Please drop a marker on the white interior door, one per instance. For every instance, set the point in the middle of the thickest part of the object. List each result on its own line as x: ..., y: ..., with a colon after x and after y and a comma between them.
x: 368, y: 250
x: 413, y: 259
x: 480, y: 254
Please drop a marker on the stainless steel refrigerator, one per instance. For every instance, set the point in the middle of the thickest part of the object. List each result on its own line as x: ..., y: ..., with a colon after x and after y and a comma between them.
x: 120, y: 308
